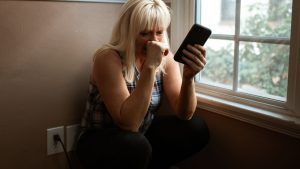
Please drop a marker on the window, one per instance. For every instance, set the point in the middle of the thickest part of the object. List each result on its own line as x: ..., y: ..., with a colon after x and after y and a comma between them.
x: 227, y: 10
x: 252, y: 71
x: 252, y: 51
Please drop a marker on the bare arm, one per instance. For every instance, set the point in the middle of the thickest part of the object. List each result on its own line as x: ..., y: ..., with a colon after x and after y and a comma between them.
x: 134, y: 108
x: 127, y: 110
x: 181, y: 91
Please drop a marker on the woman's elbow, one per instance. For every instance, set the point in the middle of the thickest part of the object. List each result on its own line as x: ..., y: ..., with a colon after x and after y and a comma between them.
x: 185, y: 115
x: 128, y: 127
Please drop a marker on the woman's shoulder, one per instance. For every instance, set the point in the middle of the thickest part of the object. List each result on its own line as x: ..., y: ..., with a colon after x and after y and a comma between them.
x: 107, y: 55
x: 170, y: 60
x: 106, y: 63
x: 107, y: 58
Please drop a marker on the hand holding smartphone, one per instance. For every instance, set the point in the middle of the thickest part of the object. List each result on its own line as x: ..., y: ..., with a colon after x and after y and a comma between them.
x: 198, y: 34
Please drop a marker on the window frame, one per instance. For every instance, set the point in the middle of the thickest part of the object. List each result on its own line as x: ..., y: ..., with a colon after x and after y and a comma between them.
x: 283, y: 117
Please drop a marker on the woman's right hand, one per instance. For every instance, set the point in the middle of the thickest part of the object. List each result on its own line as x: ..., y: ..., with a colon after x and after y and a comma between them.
x: 155, y: 52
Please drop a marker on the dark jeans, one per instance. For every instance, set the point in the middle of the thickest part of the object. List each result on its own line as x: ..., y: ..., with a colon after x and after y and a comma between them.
x: 168, y: 141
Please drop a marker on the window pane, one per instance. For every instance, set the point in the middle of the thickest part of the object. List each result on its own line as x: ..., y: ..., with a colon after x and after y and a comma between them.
x: 219, y: 15
x: 219, y: 68
x: 270, y: 18
x: 263, y: 69
x: 261, y: 47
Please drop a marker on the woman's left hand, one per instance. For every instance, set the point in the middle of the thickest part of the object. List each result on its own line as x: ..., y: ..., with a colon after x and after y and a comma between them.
x: 194, y: 59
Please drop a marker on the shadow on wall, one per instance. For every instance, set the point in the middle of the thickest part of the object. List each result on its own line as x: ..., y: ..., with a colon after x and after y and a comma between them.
x: 46, y: 49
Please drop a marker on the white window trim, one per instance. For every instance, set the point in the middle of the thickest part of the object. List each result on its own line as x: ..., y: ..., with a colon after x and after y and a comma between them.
x: 286, y: 120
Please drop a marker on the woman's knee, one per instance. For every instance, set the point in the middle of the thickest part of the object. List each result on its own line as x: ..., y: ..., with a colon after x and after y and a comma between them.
x: 137, y: 143
x: 115, y: 149
x: 136, y: 151
x: 198, y: 130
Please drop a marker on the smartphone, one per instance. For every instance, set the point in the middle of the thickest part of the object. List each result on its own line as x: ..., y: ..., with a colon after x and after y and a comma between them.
x: 198, y: 34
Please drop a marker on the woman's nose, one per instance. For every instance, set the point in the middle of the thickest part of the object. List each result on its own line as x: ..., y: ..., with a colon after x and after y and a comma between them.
x: 154, y: 37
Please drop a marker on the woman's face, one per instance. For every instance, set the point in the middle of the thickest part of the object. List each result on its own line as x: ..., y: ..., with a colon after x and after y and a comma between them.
x: 143, y: 37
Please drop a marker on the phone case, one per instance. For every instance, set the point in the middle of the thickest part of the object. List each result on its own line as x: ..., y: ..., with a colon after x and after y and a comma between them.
x: 198, y: 34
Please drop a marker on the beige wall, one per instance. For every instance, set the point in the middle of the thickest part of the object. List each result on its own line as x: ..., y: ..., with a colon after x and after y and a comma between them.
x: 45, y: 55
x: 238, y: 145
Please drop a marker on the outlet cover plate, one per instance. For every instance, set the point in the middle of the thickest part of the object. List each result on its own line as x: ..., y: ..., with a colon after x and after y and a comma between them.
x: 53, y: 148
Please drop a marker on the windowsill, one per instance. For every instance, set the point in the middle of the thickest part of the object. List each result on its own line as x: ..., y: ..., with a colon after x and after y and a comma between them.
x: 281, y: 123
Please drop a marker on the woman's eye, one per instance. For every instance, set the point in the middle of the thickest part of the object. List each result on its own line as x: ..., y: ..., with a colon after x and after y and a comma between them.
x: 159, y: 32
x: 143, y: 33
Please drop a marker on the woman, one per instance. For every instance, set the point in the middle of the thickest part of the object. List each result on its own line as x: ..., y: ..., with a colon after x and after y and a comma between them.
x: 130, y: 74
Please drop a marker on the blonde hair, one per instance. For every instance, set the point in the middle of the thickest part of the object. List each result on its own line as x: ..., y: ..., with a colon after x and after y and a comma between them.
x: 137, y: 16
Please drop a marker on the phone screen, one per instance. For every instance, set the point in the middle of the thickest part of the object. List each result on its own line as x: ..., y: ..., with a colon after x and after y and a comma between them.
x: 198, y: 34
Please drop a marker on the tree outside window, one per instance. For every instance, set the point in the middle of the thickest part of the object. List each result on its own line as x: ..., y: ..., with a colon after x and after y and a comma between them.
x: 253, y: 58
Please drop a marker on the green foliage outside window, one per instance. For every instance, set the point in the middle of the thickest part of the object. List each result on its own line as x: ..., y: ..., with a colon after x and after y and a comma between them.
x: 263, y: 66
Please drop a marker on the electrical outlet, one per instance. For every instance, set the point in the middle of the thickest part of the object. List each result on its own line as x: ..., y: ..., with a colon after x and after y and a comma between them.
x: 52, y: 147
x: 71, y: 136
